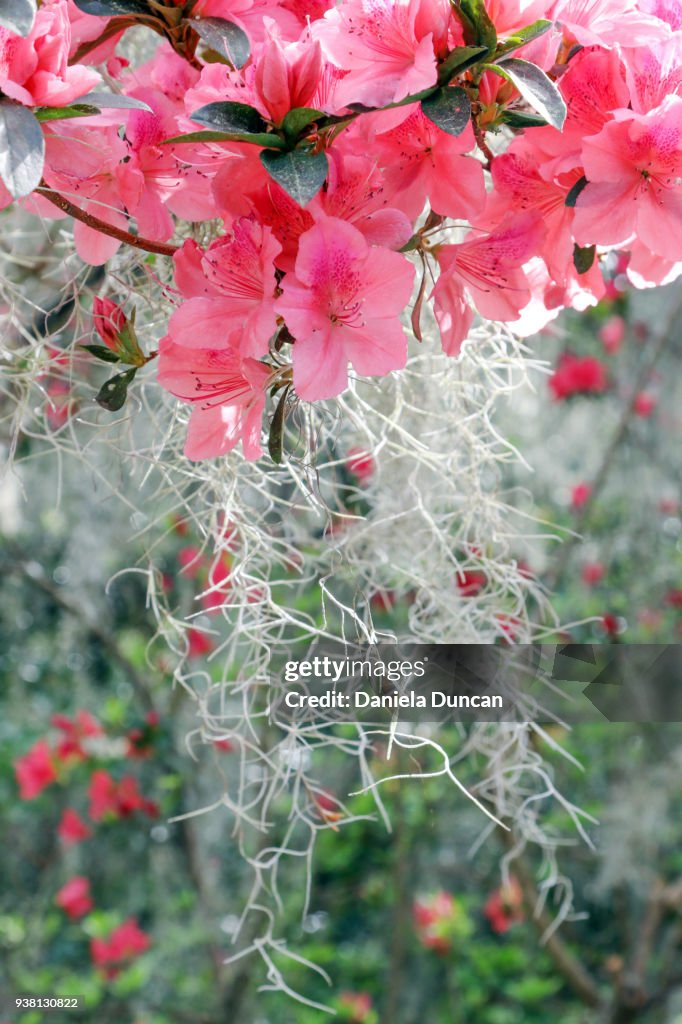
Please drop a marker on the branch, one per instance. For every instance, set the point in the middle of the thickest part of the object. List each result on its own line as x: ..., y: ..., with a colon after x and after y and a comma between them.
x: 566, y: 962
x: 99, y: 632
x: 161, y: 248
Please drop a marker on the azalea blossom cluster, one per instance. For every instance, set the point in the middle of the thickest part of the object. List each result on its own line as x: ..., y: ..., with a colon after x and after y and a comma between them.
x: 81, y: 742
x: 331, y: 152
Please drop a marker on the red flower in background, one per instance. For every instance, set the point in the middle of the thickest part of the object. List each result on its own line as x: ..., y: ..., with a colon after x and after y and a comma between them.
x: 83, y: 726
x: 504, y: 907
x: 674, y: 598
x: 355, y: 1007
x: 361, y: 464
x: 439, y: 920
x: 612, y: 333
x: 124, y: 943
x: 199, y: 643
x: 469, y: 583
x: 109, y: 798
x: 35, y: 770
x: 578, y: 375
x: 580, y: 495
x: 645, y: 403
x: 72, y: 829
x: 593, y: 573
x: 610, y: 624
x: 74, y: 897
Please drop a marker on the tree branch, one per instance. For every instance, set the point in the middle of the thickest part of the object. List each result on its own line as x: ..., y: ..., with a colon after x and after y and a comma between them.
x: 566, y: 962
x: 160, y: 248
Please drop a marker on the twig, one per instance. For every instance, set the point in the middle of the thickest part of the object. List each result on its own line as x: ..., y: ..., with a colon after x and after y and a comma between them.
x: 160, y: 248
x: 566, y: 962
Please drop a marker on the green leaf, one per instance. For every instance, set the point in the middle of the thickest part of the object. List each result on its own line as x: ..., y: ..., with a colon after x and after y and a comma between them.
x: 276, y: 435
x: 101, y: 352
x: 526, y: 35
x: 115, y: 101
x: 478, y: 28
x: 537, y: 89
x: 449, y: 109
x: 17, y: 15
x: 583, y: 257
x: 111, y: 8
x: 113, y: 394
x: 572, y: 197
x: 301, y: 174
x: 226, y: 38
x: 22, y: 149
x: 236, y: 118
x: 461, y: 58
x: 522, y: 119
x: 270, y: 141
x: 237, y: 122
x: 64, y: 113
x: 299, y: 118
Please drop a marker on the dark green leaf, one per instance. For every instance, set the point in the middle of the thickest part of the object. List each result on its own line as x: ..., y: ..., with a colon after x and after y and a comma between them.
x: 572, y: 197
x: 299, y: 118
x: 17, y: 15
x: 526, y: 35
x: 521, y: 119
x: 459, y: 60
x: 113, y: 394
x: 301, y: 174
x: 276, y: 435
x: 415, y: 97
x: 102, y: 352
x: 115, y: 101
x: 226, y: 38
x: 64, y: 113
x: 449, y: 109
x: 478, y: 28
x: 236, y: 118
x: 537, y: 89
x: 110, y: 8
x: 270, y: 140
x: 22, y: 149
x: 583, y: 257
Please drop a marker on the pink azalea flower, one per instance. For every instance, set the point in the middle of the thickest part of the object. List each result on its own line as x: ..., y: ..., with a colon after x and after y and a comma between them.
x: 653, y: 72
x: 578, y: 375
x: 421, y: 161
x: 357, y: 193
x: 84, y: 163
x: 607, y: 22
x: 35, y: 770
x: 74, y: 897
x: 239, y: 276
x: 634, y: 170
x: 612, y: 333
x: 580, y: 495
x: 486, y: 271
x: 72, y: 829
x: 227, y: 393
x: 123, y: 944
x: 35, y: 70
x: 342, y: 306
x: 669, y: 11
x: 286, y: 77
x: 388, y: 45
